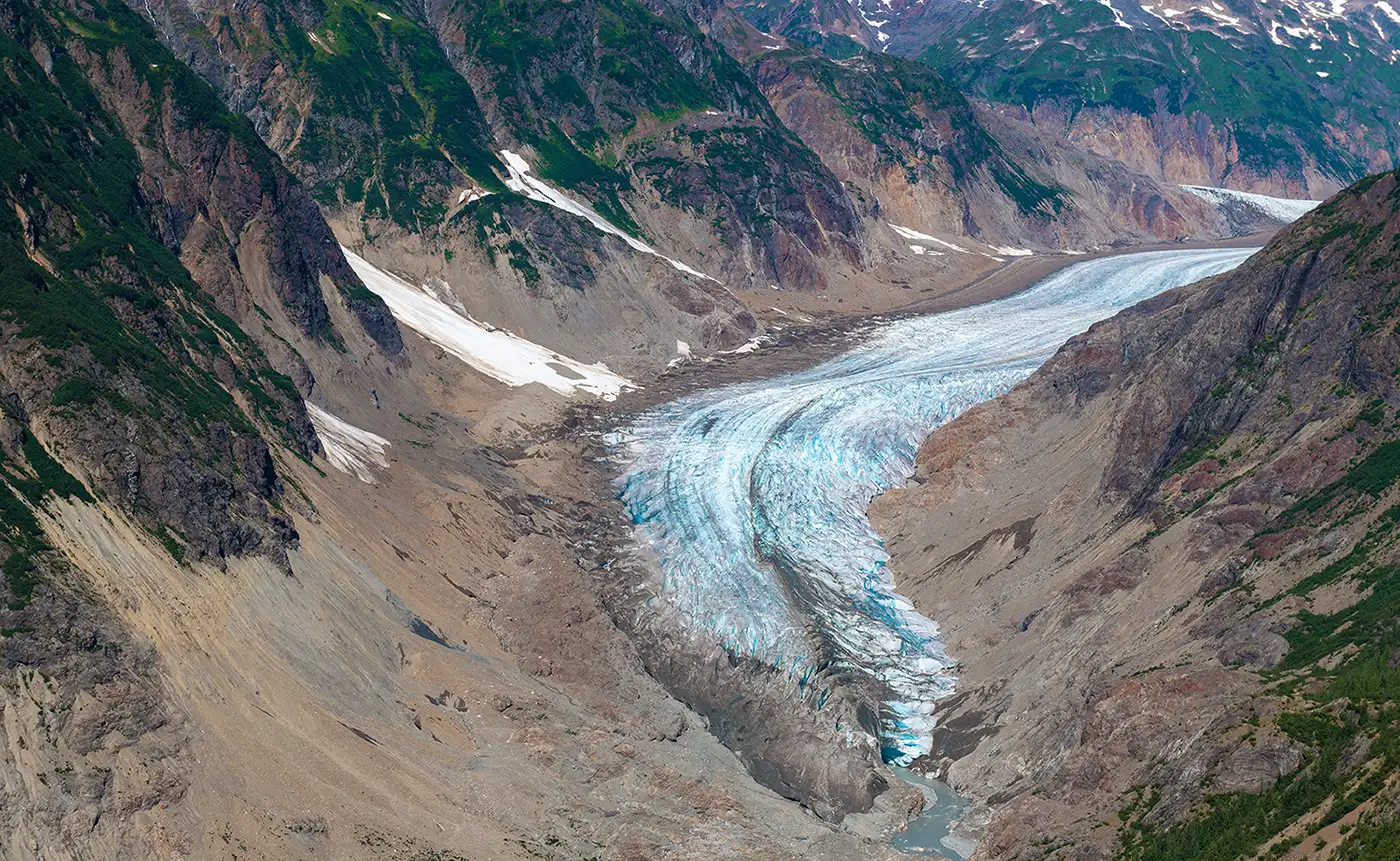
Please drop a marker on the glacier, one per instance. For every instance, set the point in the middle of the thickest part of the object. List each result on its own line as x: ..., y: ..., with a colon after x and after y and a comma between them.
x: 1250, y: 205
x: 751, y: 499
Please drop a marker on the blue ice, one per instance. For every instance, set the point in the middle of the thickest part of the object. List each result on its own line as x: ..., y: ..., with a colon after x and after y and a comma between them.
x: 752, y: 498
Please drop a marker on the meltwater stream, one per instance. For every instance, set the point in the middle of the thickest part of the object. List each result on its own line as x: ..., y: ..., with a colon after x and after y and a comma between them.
x: 753, y: 496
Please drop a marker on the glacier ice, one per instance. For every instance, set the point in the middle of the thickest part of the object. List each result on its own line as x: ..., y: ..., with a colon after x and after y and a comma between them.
x: 752, y: 498
x: 1280, y: 209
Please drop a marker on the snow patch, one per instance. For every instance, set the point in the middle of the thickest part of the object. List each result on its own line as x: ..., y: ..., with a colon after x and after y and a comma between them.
x: 1117, y: 15
x: 1277, y: 208
x: 352, y: 450
x: 921, y: 250
x: 682, y: 354
x: 522, y: 182
x: 909, y: 233
x: 1012, y: 252
x: 471, y: 195
x: 1219, y: 15
x: 748, y: 346
x: 494, y: 352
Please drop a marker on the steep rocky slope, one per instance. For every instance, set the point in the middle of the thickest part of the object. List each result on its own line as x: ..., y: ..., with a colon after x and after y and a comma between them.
x: 914, y: 149
x: 281, y: 579
x: 425, y: 131
x: 630, y: 109
x: 1292, y: 99
x: 1166, y: 564
x: 920, y: 154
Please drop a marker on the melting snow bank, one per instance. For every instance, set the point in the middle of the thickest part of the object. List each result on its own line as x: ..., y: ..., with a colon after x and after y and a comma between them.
x: 919, y: 236
x: 521, y: 182
x: 752, y: 498
x: 1241, y: 207
x: 350, y: 449
x: 494, y: 352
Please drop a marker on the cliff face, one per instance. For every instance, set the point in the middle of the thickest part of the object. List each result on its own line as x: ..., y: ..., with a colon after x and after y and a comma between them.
x: 145, y: 232
x: 1161, y: 560
x: 117, y: 350
x: 1280, y: 98
x: 1287, y: 99
x: 916, y: 152
x: 746, y: 157
x: 919, y: 153
x: 632, y: 112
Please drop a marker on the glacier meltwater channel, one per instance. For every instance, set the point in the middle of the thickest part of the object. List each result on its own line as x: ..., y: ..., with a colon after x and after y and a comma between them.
x: 753, y: 497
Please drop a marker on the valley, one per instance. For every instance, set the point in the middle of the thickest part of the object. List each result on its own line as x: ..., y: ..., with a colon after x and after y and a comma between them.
x: 751, y: 501
x: 624, y: 430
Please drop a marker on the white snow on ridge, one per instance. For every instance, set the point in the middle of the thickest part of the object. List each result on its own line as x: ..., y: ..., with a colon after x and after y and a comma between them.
x: 1117, y: 15
x: 352, y: 450
x: 494, y: 352
x: 1007, y: 251
x: 522, y: 182
x: 1278, y: 208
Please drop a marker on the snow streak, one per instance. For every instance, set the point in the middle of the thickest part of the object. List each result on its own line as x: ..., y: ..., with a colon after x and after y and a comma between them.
x: 494, y: 352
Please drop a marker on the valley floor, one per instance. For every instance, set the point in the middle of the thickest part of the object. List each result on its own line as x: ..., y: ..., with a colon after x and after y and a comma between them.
x: 436, y: 676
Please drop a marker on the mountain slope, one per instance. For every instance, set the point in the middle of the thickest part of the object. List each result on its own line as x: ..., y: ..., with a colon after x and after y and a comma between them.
x: 1291, y: 99
x: 1186, y: 614
x: 747, y: 165
x: 238, y: 623
x: 145, y: 231
x: 916, y: 153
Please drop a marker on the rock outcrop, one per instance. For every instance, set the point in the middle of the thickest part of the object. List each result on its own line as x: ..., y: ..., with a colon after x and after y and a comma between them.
x: 1209, y: 477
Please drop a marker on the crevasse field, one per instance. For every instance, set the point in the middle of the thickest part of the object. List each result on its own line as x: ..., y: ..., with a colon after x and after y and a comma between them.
x: 753, y: 497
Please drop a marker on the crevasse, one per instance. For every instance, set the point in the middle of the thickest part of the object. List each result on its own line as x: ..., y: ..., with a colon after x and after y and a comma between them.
x: 753, y: 497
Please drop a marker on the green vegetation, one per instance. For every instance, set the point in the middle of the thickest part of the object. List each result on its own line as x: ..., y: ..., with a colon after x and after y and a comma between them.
x: 68, y: 156
x: 108, y: 325
x: 390, y: 108
x: 19, y: 529
x: 1265, y: 93
x: 1357, y: 701
x: 589, y: 84
x: 900, y: 106
x: 1347, y: 666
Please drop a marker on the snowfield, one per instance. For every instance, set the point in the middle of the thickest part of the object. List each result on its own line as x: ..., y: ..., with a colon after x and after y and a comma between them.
x: 352, y: 450
x: 494, y: 352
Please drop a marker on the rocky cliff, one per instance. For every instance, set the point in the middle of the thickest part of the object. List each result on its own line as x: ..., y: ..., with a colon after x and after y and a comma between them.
x: 1289, y: 99
x: 1166, y: 565
x: 756, y: 163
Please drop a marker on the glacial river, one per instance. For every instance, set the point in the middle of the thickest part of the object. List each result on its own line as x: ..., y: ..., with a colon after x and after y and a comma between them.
x: 753, y: 497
